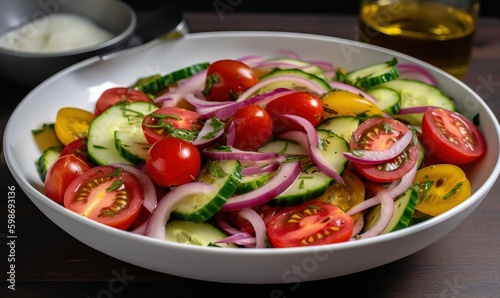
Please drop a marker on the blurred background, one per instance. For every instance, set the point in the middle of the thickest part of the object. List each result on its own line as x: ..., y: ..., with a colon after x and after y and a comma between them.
x: 488, y: 7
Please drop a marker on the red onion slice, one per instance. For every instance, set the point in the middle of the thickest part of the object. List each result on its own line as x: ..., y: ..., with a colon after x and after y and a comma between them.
x: 203, y: 138
x: 150, y: 198
x: 238, y: 154
x: 380, y: 156
x: 258, y: 225
x: 415, y: 110
x: 352, y: 89
x: 259, y: 167
x: 415, y: 72
x: 387, y: 209
x: 282, y: 180
x: 159, y: 217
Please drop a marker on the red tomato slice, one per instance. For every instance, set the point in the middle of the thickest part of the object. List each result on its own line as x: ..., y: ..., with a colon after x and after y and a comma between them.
x: 379, y: 134
x: 115, y: 95
x: 171, y: 121
x: 227, y: 79
x: 301, y: 104
x: 107, y: 194
x: 311, y: 223
x: 451, y: 137
x: 253, y: 127
x: 61, y: 174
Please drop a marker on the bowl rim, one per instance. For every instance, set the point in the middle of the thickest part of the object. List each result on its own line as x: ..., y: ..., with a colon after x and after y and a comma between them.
x: 128, y: 32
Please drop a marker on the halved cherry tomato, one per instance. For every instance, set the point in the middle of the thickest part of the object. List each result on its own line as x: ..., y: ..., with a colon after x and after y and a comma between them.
x: 345, y: 196
x: 107, y: 194
x: 253, y: 127
x: 451, y: 137
x: 72, y: 124
x: 379, y: 134
x: 60, y: 175
x: 79, y: 148
x: 172, y: 162
x: 227, y: 79
x: 171, y: 121
x: 345, y: 103
x: 311, y: 223
x: 440, y: 188
x: 303, y: 104
x: 115, y: 95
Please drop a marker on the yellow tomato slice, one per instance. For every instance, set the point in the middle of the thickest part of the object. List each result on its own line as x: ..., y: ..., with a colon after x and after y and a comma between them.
x: 345, y: 103
x: 440, y: 188
x: 46, y: 137
x: 72, y: 124
x: 345, y: 196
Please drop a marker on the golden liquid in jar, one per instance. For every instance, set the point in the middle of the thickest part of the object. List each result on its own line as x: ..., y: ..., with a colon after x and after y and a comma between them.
x: 436, y: 33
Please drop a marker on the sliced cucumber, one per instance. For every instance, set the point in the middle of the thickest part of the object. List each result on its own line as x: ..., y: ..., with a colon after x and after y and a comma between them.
x: 404, y: 207
x: 131, y: 144
x: 374, y: 74
x: 343, y: 126
x: 333, y: 148
x: 252, y: 182
x: 302, y: 65
x: 283, y: 147
x: 388, y: 99
x: 418, y: 217
x: 48, y: 157
x: 415, y: 94
x: 310, y: 184
x: 188, y: 232
x: 224, y: 175
x: 293, y: 85
x: 128, y: 117
x: 163, y: 82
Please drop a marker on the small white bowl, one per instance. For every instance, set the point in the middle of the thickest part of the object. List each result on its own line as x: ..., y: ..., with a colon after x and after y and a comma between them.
x: 30, y: 69
x: 83, y: 84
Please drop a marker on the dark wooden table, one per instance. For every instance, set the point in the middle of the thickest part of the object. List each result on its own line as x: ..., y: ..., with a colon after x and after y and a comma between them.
x: 465, y: 263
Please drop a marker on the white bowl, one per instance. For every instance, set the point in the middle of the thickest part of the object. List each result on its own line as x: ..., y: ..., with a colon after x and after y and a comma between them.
x: 81, y: 84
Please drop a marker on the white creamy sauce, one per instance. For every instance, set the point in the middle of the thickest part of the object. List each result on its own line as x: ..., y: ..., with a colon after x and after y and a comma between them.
x: 54, y: 33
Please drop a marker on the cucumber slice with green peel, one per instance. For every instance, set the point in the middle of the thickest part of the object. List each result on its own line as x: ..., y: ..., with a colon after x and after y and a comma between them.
x: 333, y: 148
x: 404, y: 207
x: 249, y: 183
x: 124, y: 117
x: 388, y: 99
x: 418, y: 217
x: 418, y: 94
x: 374, y: 74
x: 160, y: 83
x: 224, y: 176
x: 283, y: 147
x: 310, y: 184
x: 131, y: 144
x: 343, y: 126
x: 188, y: 232
x: 302, y: 65
x: 292, y: 85
x: 48, y: 157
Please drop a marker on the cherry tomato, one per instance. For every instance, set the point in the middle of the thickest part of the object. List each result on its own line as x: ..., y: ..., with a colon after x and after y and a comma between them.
x: 253, y: 127
x: 440, y: 188
x: 345, y: 196
x: 107, y: 194
x: 72, y: 124
x: 345, y: 103
x: 60, y: 175
x: 303, y: 104
x: 171, y: 121
x: 172, y: 162
x: 115, y: 95
x: 79, y: 148
x: 311, y: 223
x: 227, y: 79
x: 451, y: 137
x: 379, y: 134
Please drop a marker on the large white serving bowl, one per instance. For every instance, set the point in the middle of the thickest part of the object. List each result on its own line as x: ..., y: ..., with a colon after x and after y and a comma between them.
x: 81, y: 84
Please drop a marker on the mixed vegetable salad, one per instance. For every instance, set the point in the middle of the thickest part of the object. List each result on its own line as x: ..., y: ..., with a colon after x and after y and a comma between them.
x: 258, y: 152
